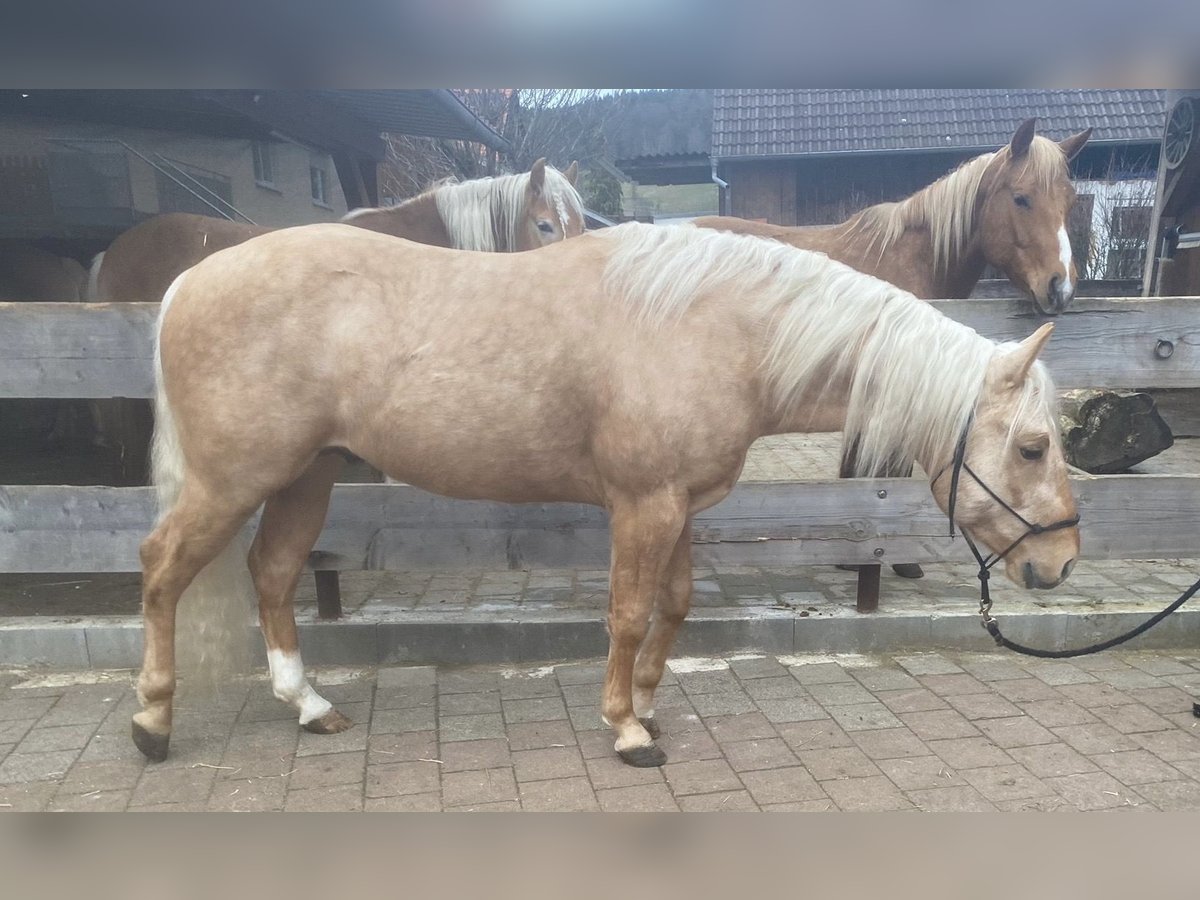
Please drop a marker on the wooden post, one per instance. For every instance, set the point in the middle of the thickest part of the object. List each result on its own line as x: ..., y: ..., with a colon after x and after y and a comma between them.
x: 329, y: 595
x: 868, y: 588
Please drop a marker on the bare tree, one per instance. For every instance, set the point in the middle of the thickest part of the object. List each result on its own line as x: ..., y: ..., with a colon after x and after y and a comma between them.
x: 1118, y: 232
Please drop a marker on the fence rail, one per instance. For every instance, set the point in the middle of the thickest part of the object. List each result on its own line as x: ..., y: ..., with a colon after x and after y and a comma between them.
x: 59, y: 350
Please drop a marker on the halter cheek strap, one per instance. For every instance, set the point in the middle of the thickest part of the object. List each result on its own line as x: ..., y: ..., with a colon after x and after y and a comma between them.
x: 957, y: 466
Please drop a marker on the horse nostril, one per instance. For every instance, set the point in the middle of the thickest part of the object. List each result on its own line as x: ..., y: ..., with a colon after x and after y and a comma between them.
x: 1027, y: 574
x: 1067, y: 567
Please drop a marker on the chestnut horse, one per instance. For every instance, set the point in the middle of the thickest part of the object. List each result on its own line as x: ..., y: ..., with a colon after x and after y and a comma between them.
x: 506, y: 213
x: 468, y: 374
x: 1007, y: 209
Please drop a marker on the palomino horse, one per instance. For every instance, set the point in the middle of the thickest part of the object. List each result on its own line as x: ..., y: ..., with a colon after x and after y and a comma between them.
x: 468, y: 375
x: 506, y: 213
x: 1007, y: 209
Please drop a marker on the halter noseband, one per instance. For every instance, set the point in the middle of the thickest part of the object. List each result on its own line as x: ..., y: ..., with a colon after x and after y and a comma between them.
x: 957, y: 466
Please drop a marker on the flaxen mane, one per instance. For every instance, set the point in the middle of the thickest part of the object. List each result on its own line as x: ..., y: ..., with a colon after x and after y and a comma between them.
x: 915, y: 374
x: 947, y: 207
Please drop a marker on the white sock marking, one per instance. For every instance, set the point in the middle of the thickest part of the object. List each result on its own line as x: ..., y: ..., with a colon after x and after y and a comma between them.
x: 290, y: 686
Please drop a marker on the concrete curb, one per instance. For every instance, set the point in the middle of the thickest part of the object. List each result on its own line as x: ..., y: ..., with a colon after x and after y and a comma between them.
x: 464, y: 638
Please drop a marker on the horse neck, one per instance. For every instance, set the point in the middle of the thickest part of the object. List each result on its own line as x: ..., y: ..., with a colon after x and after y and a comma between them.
x: 416, y: 220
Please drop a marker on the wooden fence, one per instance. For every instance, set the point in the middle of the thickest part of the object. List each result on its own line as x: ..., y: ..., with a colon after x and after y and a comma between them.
x: 50, y: 350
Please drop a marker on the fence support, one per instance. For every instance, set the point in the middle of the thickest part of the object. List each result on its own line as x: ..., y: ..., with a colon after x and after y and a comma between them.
x: 329, y: 595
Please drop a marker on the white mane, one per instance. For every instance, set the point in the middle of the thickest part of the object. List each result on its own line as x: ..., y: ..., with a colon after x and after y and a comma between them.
x: 915, y: 376
x: 487, y: 213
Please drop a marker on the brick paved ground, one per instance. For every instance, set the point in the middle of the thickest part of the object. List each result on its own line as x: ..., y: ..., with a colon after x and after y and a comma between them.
x: 953, y: 731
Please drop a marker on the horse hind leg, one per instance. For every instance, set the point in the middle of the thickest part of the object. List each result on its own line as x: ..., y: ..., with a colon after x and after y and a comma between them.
x: 291, y: 523
x: 671, y: 607
x: 188, y: 538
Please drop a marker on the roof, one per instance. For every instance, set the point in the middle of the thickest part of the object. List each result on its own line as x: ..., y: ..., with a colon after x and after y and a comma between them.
x: 424, y: 113
x: 752, y: 124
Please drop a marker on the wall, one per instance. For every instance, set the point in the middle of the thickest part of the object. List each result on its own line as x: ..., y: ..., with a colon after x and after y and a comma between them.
x: 290, y: 203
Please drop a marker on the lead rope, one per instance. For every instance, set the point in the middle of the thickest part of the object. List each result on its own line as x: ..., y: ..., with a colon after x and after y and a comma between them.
x: 958, y: 464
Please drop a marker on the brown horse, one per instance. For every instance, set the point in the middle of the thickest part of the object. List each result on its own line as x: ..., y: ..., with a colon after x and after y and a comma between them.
x: 468, y: 375
x: 506, y: 213
x: 1007, y: 209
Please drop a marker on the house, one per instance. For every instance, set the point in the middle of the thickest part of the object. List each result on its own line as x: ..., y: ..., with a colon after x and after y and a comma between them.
x: 1174, y: 266
x: 79, y: 167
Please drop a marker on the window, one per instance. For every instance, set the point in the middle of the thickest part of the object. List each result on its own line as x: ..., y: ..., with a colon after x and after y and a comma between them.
x: 1128, y: 236
x: 264, y: 163
x: 320, y: 185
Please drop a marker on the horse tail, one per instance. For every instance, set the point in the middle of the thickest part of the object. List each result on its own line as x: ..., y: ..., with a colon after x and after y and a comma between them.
x: 93, y: 282
x: 213, y: 639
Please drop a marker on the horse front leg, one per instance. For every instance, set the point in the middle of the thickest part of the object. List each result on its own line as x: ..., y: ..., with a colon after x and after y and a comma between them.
x: 645, y: 531
x: 670, y: 609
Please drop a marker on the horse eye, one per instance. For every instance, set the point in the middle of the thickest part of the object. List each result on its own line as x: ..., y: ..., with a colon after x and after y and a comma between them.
x: 545, y: 228
x: 1022, y: 201
x: 1032, y: 453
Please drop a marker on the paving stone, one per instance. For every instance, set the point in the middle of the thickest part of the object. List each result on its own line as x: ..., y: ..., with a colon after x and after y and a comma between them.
x: 920, y: 773
x: 1095, y: 790
x: 1132, y: 718
x: 881, y: 678
x: 1172, y: 746
x: 478, y: 786
x: 844, y: 693
x: 874, y: 793
x: 582, y: 695
x: 863, y: 717
x: 785, y: 688
x: 405, y: 697
x: 991, y: 668
x: 1163, y: 700
x: 1172, y: 796
x: 889, y: 743
x: 719, y: 682
x: 928, y: 664
x: 470, y: 728
x: 637, y: 798
x: 1056, y: 672
x: 839, y: 762
x: 1015, y: 732
x: 814, y: 735
x: 1052, y: 760
x: 109, y: 775
x: 502, y: 806
x: 950, y: 799
x: 431, y: 802
x: 526, y: 688
x: 547, y: 763
x: 393, y: 721
x: 460, y: 756
x: 970, y: 753
x: 92, y: 801
x: 25, y: 707
x: 1055, y: 713
x: 763, y: 753
x: 982, y: 706
x: 30, y: 796
x: 1135, y: 767
x: 13, y: 730
x: 161, y: 785
x: 538, y: 735
x: 1095, y: 738
x: 741, y: 727
x: 1013, y: 782
x: 330, y: 798
x: 939, y: 724
x: 594, y: 744
x: 684, y: 746
x: 797, y: 709
x: 393, y: 779
x: 24, y: 767
x: 786, y: 785
x: 701, y: 777
x: 330, y: 769
x: 946, y: 686
x: 1127, y: 679
x: 559, y: 795
x: 722, y: 801
x: 388, y: 677
x: 537, y: 709
x: 1024, y: 690
x: 406, y: 747
x: 825, y: 805
x: 608, y: 772
x: 354, y: 738
x: 764, y: 667
x: 911, y: 700
x: 724, y: 704
x: 451, y: 681
x: 819, y: 673
x: 252, y: 795
x: 466, y: 704
x: 1098, y: 694
x: 580, y: 673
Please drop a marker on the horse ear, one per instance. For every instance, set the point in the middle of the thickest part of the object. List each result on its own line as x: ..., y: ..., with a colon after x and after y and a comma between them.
x: 1015, y: 365
x: 1019, y: 145
x: 537, y: 176
x: 1072, y: 145
x: 572, y: 172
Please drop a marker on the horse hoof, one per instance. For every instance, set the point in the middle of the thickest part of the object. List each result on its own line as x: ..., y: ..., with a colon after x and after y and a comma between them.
x: 908, y: 570
x: 647, y: 757
x: 333, y: 722
x: 651, y: 725
x: 153, y: 746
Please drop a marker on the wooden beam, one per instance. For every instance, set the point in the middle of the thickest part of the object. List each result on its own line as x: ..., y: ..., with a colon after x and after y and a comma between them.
x: 85, y: 350
x: 51, y: 528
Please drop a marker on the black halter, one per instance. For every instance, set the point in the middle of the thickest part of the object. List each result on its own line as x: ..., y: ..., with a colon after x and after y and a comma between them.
x: 958, y: 465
